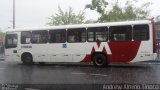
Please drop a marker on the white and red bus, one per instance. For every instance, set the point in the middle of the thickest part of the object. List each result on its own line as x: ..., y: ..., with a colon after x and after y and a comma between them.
x: 101, y: 43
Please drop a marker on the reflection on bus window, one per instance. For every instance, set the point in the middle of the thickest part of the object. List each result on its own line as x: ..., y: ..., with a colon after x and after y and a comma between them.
x: 141, y: 32
x: 57, y: 36
x: 97, y: 34
x: 39, y: 37
x: 76, y: 35
x: 11, y: 41
x: 25, y: 37
x: 120, y: 33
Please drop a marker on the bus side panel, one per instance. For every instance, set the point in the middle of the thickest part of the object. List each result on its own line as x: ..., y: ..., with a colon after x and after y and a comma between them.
x: 58, y: 52
x: 146, y: 50
x: 40, y: 52
x: 123, y: 51
x: 12, y: 57
x: 12, y: 54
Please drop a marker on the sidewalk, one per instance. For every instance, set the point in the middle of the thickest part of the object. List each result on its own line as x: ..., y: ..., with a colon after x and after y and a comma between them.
x: 157, y: 61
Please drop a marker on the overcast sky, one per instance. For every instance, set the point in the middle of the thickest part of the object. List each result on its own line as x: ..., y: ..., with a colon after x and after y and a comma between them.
x: 34, y: 13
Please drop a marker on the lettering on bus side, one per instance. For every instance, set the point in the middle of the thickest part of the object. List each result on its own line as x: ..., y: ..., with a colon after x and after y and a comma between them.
x: 26, y: 46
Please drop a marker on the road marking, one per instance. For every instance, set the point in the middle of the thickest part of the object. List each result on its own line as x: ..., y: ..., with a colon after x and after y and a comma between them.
x: 79, y: 73
x: 89, y: 74
x: 98, y: 75
x: 31, y: 89
x: 2, y: 68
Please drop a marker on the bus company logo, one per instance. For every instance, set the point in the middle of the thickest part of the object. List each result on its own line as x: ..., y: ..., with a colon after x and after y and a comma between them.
x: 97, y: 47
x: 101, y: 47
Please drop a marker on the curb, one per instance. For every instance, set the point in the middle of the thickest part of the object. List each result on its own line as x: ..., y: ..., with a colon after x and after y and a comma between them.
x: 1, y: 59
x: 152, y: 62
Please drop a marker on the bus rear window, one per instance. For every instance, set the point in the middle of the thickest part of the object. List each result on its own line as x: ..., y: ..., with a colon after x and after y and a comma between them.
x: 11, y: 41
x: 141, y: 32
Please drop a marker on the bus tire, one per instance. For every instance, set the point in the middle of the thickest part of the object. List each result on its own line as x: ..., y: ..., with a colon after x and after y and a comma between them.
x: 27, y: 59
x: 41, y: 63
x: 99, y: 60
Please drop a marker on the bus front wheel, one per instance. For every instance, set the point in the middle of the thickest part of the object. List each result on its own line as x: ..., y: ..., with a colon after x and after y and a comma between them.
x: 99, y: 60
x: 27, y: 59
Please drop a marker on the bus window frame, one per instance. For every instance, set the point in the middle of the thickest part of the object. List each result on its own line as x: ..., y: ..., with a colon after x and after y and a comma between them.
x: 52, y: 30
x: 41, y: 42
x: 130, y: 33
x: 78, y: 29
x: 30, y: 37
x: 11, y: 46
x: 106, y: 30
x: 148, y: 32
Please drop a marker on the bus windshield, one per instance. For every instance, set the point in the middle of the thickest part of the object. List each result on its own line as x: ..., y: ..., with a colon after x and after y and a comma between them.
x: 11, y: 41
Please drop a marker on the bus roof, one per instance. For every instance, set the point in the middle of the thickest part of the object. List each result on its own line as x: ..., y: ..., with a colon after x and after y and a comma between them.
x: 83, y: 25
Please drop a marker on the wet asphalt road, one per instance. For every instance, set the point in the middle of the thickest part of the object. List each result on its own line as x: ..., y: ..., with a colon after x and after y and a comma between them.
x: 79, y: 74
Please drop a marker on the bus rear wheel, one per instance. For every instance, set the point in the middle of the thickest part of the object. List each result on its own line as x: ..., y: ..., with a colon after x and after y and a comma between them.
x: 100, y: 60
x: 27, y: 59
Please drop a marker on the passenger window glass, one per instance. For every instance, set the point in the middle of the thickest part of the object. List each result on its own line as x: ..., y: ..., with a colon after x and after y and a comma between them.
x: 141, y: 32
x: 11, y: 41
x: 25, y: 37
x: 39, y: 37
x: 120, y: 33
x: 57, y: 36
x: 97, y: 34
x: 76, y: 35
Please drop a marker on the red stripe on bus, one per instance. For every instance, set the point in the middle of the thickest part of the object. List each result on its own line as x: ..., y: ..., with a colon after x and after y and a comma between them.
x: 120, y: 51
x: 123, y: 51
x: 154, y: 36
x: 98, y: 44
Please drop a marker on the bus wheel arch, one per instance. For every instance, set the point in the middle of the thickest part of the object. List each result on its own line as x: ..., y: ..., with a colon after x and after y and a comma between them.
x: 99, y: 59
x: 27, y: 58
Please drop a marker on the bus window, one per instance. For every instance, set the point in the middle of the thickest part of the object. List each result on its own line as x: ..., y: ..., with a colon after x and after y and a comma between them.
x: 76, y: 35
x: 141, y: 32
x: 11, y: 41
x: 39, y: 37
x: 120, y: 33
x: 97, y: 34
x: 57, y: 36
x: 25, y: 37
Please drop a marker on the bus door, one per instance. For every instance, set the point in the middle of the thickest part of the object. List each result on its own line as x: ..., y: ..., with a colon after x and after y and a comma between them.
x: 11, y: 44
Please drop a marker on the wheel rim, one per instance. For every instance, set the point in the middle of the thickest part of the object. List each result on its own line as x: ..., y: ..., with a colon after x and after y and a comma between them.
x: 28, y: 60
x: 99, y: 61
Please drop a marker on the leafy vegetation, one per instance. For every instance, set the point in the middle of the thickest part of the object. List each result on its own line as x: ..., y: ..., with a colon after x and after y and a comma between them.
x: 66, y: 17
x: 118, y: 13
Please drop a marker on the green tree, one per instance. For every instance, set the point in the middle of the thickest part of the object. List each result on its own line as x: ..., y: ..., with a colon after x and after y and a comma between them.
x: 66, y: 17
x: 118, y: 13
x: 98, y: 6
